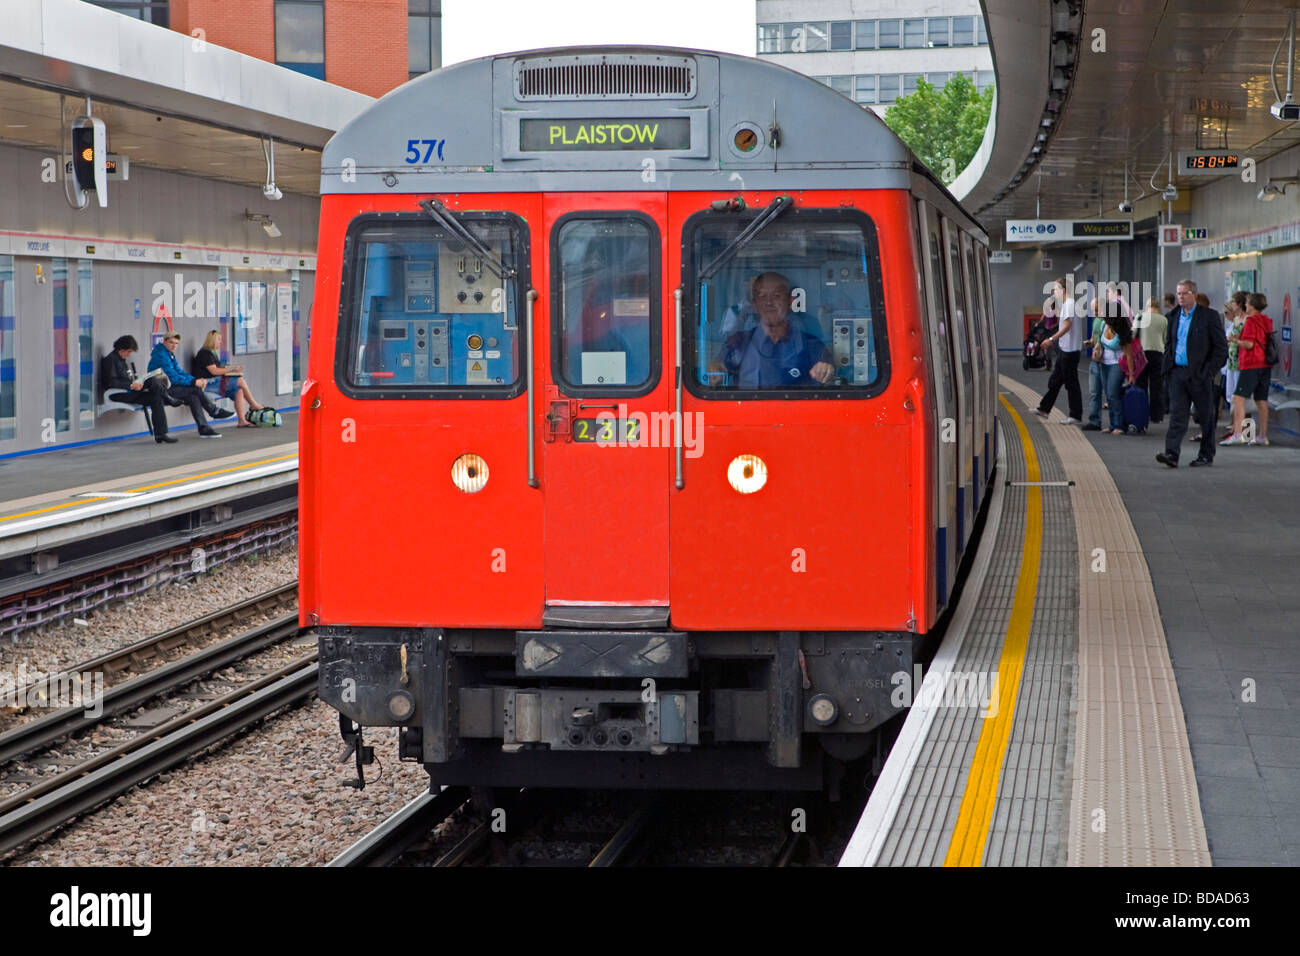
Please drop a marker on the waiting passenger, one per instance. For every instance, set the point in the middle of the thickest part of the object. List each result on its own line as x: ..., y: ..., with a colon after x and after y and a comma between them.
x: 1194, y: 348
x: 1151, y: 326
x: 207, y: 363
x: 185, y: 387
x: 1066, y: 372
x: 1255, y: 372
x: 775, y: 353
x: 117, y: 371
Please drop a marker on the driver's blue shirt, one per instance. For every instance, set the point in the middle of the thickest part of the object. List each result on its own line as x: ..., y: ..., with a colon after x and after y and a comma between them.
x: 758, y: 362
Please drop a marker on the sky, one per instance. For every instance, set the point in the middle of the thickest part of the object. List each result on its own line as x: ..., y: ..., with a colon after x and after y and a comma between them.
x: 474, y: 28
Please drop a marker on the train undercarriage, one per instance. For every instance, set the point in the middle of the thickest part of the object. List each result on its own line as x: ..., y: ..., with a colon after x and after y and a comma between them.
x: 626, y: 707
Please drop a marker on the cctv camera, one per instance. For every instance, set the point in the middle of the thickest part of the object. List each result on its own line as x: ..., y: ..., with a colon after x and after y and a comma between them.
x: 1126, y: 206
x: 1170, y: 193
x: 272, y: 191
x: 1287, y: 111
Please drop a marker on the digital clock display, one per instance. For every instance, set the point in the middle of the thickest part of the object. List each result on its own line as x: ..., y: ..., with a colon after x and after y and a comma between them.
x: 1216, y: 162
x: 1202, y: 161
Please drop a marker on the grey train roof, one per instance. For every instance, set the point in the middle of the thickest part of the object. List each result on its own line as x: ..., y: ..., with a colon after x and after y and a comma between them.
x: 495, y: 124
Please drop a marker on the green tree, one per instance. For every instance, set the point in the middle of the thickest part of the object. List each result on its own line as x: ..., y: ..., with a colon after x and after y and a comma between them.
x: 942, y: 125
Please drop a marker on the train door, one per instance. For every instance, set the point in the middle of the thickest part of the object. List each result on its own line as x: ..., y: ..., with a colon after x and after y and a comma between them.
x: 983, y: 367
x: 966, y: 489
x: 605, y: 400
x: 942, y: 374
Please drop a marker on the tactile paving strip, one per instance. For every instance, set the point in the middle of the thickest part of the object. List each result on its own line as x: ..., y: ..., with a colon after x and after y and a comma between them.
x: 1134, y: 800
x: 1033, y: 791
x: 1026, y: 823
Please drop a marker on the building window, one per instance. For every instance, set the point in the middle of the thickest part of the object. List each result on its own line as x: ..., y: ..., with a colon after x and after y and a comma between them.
x: 424, y: 36
x: 842, y: 35
x: 982, y: 37
x: 889, y: 34
x: 937, y: 80
x: 865, y: 90
x: 86, y: 342
x: 888, y: 87
x: 150, y: 11
x: 983, y: 80
x: 769, y: 38
x: 937, y: 31
x: 913, y: 34
x: 842, y: 84
x: 811, y: 37
x: 864, y: 35
x: 909, y: 83
x: 963, y: 31
x: 62, y: 347
x: 300, y: 36
x: 8, y: 364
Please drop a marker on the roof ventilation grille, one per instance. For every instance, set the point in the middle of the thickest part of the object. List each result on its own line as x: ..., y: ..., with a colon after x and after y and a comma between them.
x: 597, y: 77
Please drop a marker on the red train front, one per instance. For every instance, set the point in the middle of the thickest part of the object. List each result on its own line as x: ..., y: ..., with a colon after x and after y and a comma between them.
x: 625, y: 461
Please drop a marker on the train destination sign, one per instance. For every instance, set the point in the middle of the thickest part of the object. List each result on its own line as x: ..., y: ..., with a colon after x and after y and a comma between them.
x: 589, y: 135
x: 1067, y: 230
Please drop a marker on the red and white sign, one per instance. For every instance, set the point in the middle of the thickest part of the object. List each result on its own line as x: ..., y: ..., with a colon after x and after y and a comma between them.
x: 1171, y: 235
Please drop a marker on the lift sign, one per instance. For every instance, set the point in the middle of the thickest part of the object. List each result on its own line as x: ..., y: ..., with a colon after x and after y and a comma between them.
x: 589, y: 135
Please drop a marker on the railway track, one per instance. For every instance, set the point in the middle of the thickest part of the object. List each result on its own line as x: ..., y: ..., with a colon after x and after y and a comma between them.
x: 57, y: 800
x: 44, y: 731
x: 629, y: 845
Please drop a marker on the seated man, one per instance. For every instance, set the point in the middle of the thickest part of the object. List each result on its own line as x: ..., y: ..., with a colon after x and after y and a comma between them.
x: 185, y: 387
x: 775, y: 354
x: 117, y: 372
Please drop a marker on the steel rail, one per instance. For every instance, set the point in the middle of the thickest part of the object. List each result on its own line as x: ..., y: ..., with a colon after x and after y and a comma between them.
x: 82, y: 788
x: 388, y: 841
x: 131, y: 693
x: 618, y: 851
x: 123, y: 657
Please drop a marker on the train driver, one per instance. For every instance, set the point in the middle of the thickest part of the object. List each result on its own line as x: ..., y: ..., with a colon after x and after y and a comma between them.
x: 775, y: 353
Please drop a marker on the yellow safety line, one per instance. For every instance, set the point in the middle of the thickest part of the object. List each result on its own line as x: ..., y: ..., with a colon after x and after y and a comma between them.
x: 161, y: 484
x: 975, y: 814
x: 209, y: 474
x: 41, y: 511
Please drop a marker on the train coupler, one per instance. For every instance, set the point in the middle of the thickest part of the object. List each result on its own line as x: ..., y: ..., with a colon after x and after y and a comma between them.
x: 355, y: 747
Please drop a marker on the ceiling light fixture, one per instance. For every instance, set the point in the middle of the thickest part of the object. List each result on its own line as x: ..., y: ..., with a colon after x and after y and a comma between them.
x: 265, y: 221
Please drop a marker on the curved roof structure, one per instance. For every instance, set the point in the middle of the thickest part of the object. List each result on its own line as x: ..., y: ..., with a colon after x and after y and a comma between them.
x: 683, y: 119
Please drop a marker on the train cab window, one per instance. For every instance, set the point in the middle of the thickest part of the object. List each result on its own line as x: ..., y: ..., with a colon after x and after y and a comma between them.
x: 796, y: 312
x: 427, y: 315
x: 605, y: 304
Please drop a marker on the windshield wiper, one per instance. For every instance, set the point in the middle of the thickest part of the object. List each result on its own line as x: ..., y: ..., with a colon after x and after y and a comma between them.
x: 777, y: 206
x: 447, y: 219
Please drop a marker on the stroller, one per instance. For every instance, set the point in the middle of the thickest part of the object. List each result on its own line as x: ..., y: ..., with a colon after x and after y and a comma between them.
x: 1035, y: 356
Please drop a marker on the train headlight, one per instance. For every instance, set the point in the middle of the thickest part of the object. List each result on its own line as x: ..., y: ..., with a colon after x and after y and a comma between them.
x: 823, y: 710
x: 469, y: 473
x: 747, y: 473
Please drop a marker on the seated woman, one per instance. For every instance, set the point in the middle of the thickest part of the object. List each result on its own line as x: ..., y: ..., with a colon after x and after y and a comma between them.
x: 207, y: 365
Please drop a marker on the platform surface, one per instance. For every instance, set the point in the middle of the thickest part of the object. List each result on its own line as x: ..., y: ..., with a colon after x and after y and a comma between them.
x: 60, y: 479
x: 1067, y: 740
x: 1223, y: 548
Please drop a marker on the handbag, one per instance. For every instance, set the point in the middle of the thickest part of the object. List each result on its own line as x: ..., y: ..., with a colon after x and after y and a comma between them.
x: 1139, y: 363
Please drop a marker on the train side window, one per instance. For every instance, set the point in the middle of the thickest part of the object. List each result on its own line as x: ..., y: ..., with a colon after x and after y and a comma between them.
x: 797, y: 312
x: 605, y: 304
x: 426, y: 315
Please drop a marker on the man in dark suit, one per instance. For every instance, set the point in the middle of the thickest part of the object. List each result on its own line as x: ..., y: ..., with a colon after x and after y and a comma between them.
x: 1195, y: 350
x: 117, y: 372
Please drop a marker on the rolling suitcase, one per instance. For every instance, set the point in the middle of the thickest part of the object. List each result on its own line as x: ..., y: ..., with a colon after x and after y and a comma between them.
x: 1137, y: 409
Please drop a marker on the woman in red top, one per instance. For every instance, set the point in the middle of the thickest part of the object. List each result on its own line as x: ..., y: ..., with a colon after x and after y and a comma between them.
x: 1255, y: 371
